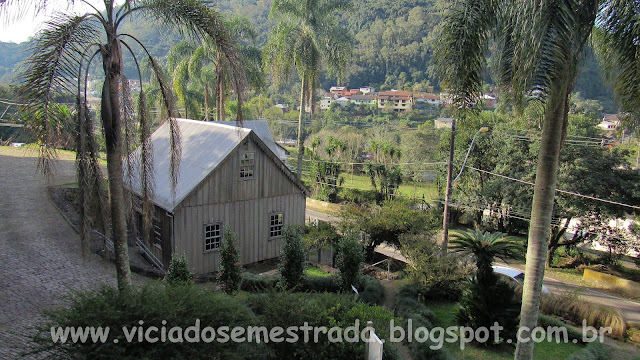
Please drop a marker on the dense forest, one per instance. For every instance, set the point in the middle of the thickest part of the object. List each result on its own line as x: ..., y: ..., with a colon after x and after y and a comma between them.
x: 392, y: 46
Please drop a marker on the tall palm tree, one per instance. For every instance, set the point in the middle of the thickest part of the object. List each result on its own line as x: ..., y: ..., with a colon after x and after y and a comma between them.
x: 65, y: 50
x: 307, y: 36
x: 541, y: 43
x: 196, y: 69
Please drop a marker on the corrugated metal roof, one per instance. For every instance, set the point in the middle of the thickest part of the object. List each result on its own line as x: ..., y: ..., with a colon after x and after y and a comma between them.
x: 204, y: 146
x: 261, y: 128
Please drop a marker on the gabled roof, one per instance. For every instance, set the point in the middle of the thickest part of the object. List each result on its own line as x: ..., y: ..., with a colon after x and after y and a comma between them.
x: 261, y: 128
x: 205, y: 145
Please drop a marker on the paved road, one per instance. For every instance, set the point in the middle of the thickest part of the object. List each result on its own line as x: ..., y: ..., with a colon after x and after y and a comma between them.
x: 630, y: 309
x: 40, y: 255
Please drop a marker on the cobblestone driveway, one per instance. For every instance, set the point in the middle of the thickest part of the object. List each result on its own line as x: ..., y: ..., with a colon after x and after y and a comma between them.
x: 40, y: 254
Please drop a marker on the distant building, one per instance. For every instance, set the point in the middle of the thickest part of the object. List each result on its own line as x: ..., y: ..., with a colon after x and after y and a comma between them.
x: 398, y: 101
x: 363, y: 99
x: 431, y: 99
x: 489, y: 101
x: 610, y: 122
x: 367, y: 90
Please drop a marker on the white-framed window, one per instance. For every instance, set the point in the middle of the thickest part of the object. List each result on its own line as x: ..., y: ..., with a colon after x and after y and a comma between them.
x: 212, y: 236
x: 276, y: 222
x: 156, y: 226
x: 247, y: 165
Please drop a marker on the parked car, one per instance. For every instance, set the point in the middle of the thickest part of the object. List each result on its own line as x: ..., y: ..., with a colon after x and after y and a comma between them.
x: 516, y: 275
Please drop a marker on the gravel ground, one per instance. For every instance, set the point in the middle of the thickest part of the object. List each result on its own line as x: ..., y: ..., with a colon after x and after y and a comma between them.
x: 40, y: 255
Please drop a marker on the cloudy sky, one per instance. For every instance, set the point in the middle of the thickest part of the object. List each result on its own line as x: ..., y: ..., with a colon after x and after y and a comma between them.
x: 21, y: 30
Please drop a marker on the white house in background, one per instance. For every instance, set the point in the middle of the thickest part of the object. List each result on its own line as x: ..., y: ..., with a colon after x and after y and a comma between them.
x: 610, y: 122
x: 367, y: 90
x: 441, y: 123
x: 363, y: 99
x: 228, y: 176
x: 325, y: 102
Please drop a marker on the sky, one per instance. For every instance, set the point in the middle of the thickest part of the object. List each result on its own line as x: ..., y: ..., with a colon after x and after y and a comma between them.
x: 28, y: 25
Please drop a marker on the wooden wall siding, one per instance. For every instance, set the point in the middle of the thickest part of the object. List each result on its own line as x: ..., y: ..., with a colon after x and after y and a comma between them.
x: 224, y: 184
x: 248, y: 218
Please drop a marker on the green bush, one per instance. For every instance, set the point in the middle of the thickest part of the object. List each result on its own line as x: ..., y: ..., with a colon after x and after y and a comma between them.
x: 292, y: 260
x: 319, y: 284
x: 350, y: 256
x: 372, y: 292
x: 435, y: 277
x: 157, y: 305
x: 593, y: 351
x: 230, y: 274
x: 572, y: 332
x: 254, y: 283
x: 360, y: 197
x: 178, y: 272
x: 483, y: 305
x: 285, y: 309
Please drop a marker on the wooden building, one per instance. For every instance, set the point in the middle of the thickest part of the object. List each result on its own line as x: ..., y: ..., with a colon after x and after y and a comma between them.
x: 228, y: 176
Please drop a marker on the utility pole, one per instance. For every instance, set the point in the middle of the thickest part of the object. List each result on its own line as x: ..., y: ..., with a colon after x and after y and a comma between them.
x: 447, y: 196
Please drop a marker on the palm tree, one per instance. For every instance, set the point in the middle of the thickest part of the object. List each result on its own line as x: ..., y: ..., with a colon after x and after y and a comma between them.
x: 307, y: 36
x: 196, y: 68
x: 485, y: 248
x: 540, y: 43
x: 62, y: 55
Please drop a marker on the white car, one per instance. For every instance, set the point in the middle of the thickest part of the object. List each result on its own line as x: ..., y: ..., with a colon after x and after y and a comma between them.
x: 515, y: 274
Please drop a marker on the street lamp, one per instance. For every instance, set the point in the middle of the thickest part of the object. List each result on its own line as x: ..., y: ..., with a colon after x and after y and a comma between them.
x: 445, y: 221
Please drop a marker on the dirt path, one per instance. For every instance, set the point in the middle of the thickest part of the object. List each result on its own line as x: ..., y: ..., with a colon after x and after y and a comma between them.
x: 390, y: 291
x: 40, y: 255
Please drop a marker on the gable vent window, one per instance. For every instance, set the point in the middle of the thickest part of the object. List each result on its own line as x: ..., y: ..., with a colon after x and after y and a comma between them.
x: 212, y: 236
x: 247, y: 165
x: 275, y: 225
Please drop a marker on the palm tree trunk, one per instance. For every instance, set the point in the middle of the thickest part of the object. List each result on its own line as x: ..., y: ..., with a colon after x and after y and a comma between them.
x: 111, y: 122
x: 541, y: 213
x: 301, y: 129
x: 220, y: 85
x: 206, y: 102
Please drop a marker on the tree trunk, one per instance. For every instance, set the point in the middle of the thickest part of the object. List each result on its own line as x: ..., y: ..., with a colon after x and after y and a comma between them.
x: 206, y: 102
x: 541, y: 214
x: 447, y: 195
x: 301, y: 129
x: 220, y: 89
x: 112, y: 125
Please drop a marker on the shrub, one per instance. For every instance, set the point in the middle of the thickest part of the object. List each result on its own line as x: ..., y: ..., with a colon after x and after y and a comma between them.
x: 178, y: 272
x: 292, y: 260
x: 156, y: 304
x: 350, y: 256
x: 254, y: 283
x: 572, y: 332
x: 482, y: 305
x: 436, y: 277
x: 372, y: 292
x: 572, y: 308
x: 593, y: 351
x: 284, y: 309
x: 320, y: 284
x: 360, y: 197
x: 230, y: 274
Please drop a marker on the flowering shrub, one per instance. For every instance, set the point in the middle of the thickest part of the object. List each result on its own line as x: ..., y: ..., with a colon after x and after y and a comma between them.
x: 230, y: 272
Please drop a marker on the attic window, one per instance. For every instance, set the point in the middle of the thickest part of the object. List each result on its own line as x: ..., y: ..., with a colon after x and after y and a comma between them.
x: 247, y: 165
x: 212, y: 236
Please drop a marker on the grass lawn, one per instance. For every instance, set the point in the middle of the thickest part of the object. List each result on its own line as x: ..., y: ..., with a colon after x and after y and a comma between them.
x: 314, y: 271
x: 444, y: 313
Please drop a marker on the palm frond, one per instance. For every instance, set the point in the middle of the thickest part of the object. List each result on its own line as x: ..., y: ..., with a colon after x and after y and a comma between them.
x: 50, y: 70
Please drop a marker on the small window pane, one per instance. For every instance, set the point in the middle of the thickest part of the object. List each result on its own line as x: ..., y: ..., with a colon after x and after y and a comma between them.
x: 247, y: 165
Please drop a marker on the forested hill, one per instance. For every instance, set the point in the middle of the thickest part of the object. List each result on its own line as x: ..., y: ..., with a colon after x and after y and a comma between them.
x: 392, y: 45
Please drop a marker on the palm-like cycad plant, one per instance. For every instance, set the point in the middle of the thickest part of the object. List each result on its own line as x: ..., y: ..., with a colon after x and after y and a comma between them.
x: 307, y: 36
x: 541, y: 43
x: 62, y: 54
x: 485, y: 247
